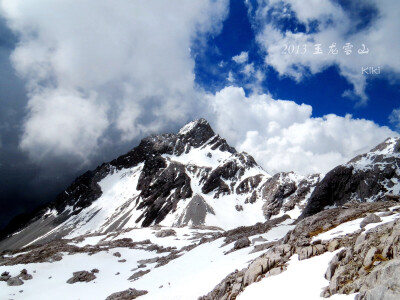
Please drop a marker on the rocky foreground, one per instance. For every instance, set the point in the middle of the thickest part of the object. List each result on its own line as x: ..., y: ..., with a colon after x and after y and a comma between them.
x: 192, y: 263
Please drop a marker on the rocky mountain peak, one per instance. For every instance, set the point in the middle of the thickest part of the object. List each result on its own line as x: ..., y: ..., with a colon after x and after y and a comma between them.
x: 389, y: 146
x: 369, y: 177
x: 196, y: 132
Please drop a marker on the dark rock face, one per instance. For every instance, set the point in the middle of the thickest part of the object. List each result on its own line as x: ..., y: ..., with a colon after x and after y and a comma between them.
x: 232, y: 170
x: 333, y: 188
x: 367, y: 177
x: 163, y: 184
x: 282, y: 191
x: 157, y: 192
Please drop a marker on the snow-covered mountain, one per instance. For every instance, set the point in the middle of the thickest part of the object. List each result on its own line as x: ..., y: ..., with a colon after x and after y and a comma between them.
x: 190, y: 178
x: 185, y: 216
x: 369, y: 177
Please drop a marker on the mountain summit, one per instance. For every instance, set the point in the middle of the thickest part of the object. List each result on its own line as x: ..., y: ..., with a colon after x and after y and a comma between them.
x: 186, y: 216
x: 190, y: 178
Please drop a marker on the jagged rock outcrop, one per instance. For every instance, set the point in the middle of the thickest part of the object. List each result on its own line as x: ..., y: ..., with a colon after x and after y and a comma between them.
x: 300, y: 241
x: 284, y: 191
x: 367, y: 265
x: 171, y: 180
x: 372, y: 176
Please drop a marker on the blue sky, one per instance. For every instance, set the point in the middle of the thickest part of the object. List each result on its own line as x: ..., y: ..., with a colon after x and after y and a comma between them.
x: 83, y: 82
x: 323, y: 91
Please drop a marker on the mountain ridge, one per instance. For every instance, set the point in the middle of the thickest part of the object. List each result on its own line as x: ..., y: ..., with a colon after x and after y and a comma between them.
x: 198, y: 220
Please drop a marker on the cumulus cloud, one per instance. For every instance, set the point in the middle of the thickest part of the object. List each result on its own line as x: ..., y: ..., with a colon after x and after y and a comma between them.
x: 336, y: 27
x: 63, y: 123
x: 241, y: 58
x: 394, y: 118
x: 283, y: 136
x: 94, y: 66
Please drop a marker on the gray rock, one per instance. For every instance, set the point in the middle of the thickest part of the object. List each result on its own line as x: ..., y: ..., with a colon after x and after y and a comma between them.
x: 369, y: 257
x: 81, y: 276
x: 382, y: 283
x: 128, y: 294
x: 371, y: 218
x: 24, y: 275
x: 138, y: 274
x: 165, y: 233
x: 243, y: 242
x: 5, y: 276
x: 14, y: 281
x: 333, y: 245
x: 117, y: 254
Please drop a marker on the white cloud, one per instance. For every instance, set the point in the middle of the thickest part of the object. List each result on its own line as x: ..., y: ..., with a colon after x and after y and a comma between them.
x: 394, y: 118
x: 283, y: 136
x: 131, y: 57
x: 335, y: 26
x: 241, y: 58
x: 63, y: 124
x: 230, y: 77
x: 248, y: 69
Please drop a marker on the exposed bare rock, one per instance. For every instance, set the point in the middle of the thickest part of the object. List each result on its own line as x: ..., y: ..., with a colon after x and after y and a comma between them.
x: 14, y: 281
x: 341, y: 272
x: 382, y: 283
x: 284, y: 191
x: 365, y: 178
x: 243, y: 242
x: 138, y: 274
x: 5, y: 276
x: 24, y: 275
x: 368, y: 265
x: 259, y: 228
x: 81, y: 276
x: 371, y: 218
x: 128, y: 294
x: 165, y: 233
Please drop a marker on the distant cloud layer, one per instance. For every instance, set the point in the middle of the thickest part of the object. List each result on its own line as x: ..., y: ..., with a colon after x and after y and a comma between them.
x: 327, y: 23
x: 110, y: 71
x: 283, y: 136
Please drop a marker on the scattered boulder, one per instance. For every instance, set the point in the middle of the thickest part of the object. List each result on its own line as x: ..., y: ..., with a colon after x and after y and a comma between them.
x: 5, y: 276
x: 165, y: 233
x: 128, y: 294
x: 14, y: 281
x: 81, y: 276
x: 138, y: 274
x: 371, y: 218
x: 24, y: 275
x: 117, y: 254
x: 95, y: 271
x: 243, y: 242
